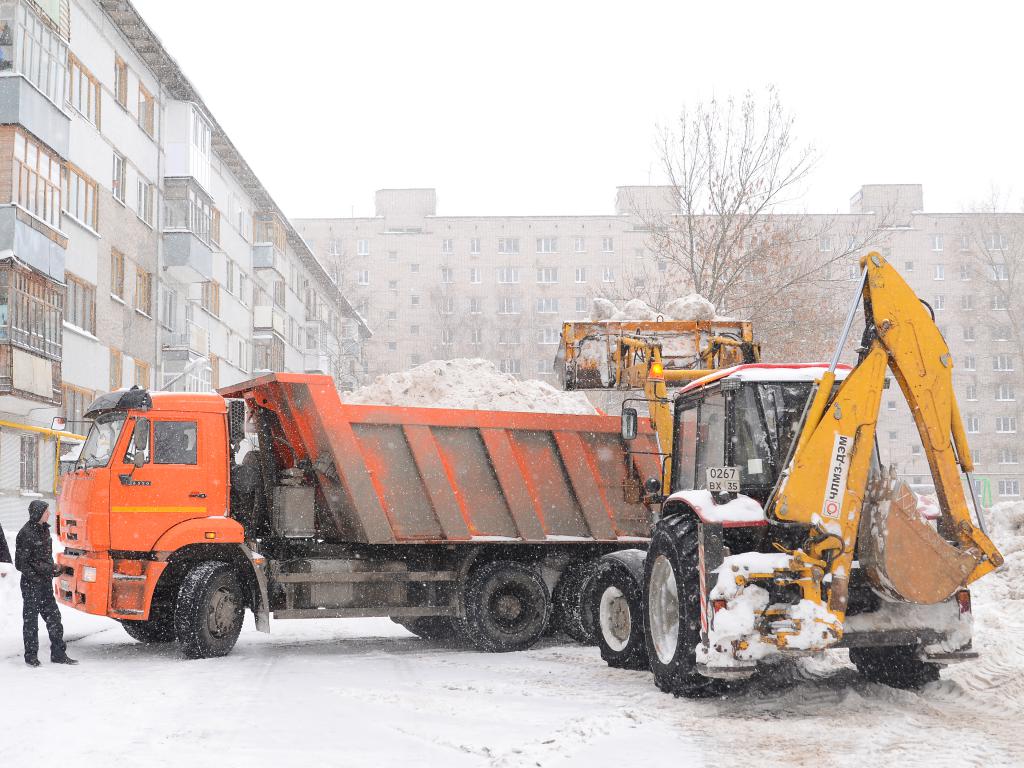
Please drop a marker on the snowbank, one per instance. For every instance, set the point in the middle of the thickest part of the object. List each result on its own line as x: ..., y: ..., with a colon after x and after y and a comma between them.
x: 694, y: 308
x: 471, y: 384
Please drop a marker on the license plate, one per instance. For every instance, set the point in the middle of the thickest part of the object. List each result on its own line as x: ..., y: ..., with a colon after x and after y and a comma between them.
x: 723, y: 479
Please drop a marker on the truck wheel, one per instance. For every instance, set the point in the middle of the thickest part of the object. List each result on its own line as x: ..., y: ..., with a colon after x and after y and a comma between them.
x: 155, y: 630
x: 209, y: 610
x: 617, y: 600
x: 671, y: 608
x: 895, y: 666
x: 571, y: 612
x: 507, y: 606
x: 439, y: 628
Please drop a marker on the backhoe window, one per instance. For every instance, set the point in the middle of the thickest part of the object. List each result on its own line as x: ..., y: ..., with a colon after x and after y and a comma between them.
x: 99, y: 445
x: 754, y: 441
x: 783, y: 406
x: 686, y: 449
x: 710, y: 436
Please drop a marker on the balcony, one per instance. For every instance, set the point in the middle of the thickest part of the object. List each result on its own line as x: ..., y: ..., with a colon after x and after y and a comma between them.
x: 194, y: 340
x: 26, y: 380
x: 22, y: 104
x: 316, y: 362
x: 187, y: 259
x: 267, y: 256
x: 32, y: 241
x: 269, y: 319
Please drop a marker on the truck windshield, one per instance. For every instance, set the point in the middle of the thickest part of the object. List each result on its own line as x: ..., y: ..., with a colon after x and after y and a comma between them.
x: 99, y: 445
x: 767, y: 417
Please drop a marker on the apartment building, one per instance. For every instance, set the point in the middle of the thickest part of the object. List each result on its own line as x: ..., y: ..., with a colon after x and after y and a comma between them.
x: 140, y: 247
x: 499, y: 287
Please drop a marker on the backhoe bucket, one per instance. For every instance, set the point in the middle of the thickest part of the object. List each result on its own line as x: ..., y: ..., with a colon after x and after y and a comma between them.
x: 902, y: 555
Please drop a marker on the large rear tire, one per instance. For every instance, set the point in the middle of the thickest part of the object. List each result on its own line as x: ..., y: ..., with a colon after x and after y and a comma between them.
x: 159, y: 629
x: 895, y: 666
x: 616, y: 598
x: 443, y: 629
x: 209, y: 611
x: 572, y: 611
x: 507, y: 606
x: 671, y: 609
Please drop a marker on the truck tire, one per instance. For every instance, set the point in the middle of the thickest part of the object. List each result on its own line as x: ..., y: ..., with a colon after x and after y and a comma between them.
x: 571, y: 610
x: 616, y: 597
x: 507, y: 606
x: 209, y: 610
x: 895, y: 666
x: 155, y: 630
x: 671, y: 608
x: 443, y: 629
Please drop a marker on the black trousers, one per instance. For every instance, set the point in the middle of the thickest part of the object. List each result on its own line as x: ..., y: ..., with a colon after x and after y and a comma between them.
x: 38, y: 600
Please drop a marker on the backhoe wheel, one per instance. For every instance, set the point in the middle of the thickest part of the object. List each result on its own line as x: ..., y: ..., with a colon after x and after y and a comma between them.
x: 443, y: 629
x: 209, y: 610
x: 895, y: 666
x: 159, y: 629
x: 616, y: 597
x: 671, y: 608
x: 507, y: 606
x: 571, y: 610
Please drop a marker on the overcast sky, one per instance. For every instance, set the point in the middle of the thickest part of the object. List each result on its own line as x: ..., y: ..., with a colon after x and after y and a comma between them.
x: 546, y: 107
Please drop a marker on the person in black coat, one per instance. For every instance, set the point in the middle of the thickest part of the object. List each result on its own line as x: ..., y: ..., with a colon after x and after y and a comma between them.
x: 33, y: 556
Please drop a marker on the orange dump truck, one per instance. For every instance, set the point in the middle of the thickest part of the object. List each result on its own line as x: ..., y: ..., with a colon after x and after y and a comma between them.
x: 183, y: 510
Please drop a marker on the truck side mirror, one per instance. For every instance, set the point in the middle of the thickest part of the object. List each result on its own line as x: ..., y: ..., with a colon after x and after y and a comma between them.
x: 140, y: 437
x: 629, y: 423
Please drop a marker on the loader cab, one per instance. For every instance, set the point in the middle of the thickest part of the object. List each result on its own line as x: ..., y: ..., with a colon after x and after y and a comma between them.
x: 734, y: 429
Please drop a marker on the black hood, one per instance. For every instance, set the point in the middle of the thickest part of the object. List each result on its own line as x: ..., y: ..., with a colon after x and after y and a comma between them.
x: 122, y: 400
x: 36, y: 510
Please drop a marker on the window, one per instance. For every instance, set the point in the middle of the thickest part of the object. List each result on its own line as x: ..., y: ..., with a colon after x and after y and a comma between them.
x: 1008, y: 456
x: 392, y: 255
x: 147, y: 110
x: 545, y: 367
x: 474, y: 246
x: 581, y: 274
x: 210, y: 300
x: 392, y: 285
x: 474, y: 274
x: 1001, y: 333
x: 414, y: 267
x: 175, y: 442
x: 447, y: 305
x: 391, y: 315
x: 969, y: 363
x: 121, y: 81
x: 508, y: 305
x: 447, y: 275
x: 1000, y: 272
x: 201, y: 133
x: 908, y: 266
x: 972, y: 424
x: 363, y: 248
x: 116, y: 369
x: 29, y: 480
x: 1009, y: 487
x: 476, y: 336
x: 547, y: 306
x: 579, y: 245
x: 825, y: 244
x: 280, y: 294
x: 414, y: 330
x: 940, y: 272
x: 965, y: 243
x: 940, y: 303
x: 999, y: 302
x: 607, y: 244
x: 547, y: 244
x: 548, y: 336
x: 187, y: 207
x: 79, y: 198
x: 117, y: 182
x: 915, y: 450
x: 80, y: 304
x: 475, y: 305
x: 509, y: 365
x: 169, y: 308
x: 967, y: 302
x: 1002, y: 362
x: 392, y: 346
x: 364, y: 277
x: 1005, y: 392
x: 143, y: 291
x: 507, y: 336
x: 268, y: 354
x: 581, y: 303
x: 969, y: 333
x: 83, y: 91
x: 609, y: 275
x: 508, y: 245
x: 141, y: 374
x: 893, y: 435
x: 38, y: 179
x: 547, y: 275
x: 415, y: 359
x: 508, y: 274
x: 971, y: 392
x: 146, y: 205
x: 447, y: 336
x: 414, y: 300
x: 995, y: 241
x: 74, y: 401
x: 36, y: 49
x: 229, y: 275
x: 965, y: 271
x: 117, y: 273
x: 937, y: 243
x: 447, y: 245
x: 891, y: 405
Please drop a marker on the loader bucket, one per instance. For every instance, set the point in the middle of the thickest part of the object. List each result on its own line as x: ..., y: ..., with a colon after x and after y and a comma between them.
x: 903, y: 556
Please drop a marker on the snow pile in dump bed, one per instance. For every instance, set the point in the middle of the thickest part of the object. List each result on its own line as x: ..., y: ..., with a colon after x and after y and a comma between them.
x: 471, y: 384
x: 692, y: 308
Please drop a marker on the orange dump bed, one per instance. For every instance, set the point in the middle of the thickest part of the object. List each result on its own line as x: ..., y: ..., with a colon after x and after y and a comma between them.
x: 405, y: 475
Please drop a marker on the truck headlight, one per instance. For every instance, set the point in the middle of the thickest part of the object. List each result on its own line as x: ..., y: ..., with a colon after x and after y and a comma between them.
x: 88, y: 574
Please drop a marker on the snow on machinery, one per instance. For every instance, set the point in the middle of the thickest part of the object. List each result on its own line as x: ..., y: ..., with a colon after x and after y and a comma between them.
x: 779, y: 531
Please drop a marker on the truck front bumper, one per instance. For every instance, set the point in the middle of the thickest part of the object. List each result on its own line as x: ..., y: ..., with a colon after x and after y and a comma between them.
x: 84, y: 582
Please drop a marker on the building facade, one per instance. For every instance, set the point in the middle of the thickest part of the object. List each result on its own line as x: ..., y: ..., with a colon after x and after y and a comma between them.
x: 499, y: 287
x: 136, y: 244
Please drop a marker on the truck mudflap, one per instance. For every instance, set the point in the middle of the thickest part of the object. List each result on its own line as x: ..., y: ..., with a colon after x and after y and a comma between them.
x: 261, y: 595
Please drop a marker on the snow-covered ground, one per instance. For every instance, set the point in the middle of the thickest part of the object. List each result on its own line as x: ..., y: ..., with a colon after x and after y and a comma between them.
x: 362, y: 692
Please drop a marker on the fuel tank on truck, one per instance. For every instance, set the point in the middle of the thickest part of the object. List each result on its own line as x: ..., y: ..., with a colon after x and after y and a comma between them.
x: 386, y: 474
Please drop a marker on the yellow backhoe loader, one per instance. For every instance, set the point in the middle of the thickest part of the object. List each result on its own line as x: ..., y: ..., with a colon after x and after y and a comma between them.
x: 779, y: 531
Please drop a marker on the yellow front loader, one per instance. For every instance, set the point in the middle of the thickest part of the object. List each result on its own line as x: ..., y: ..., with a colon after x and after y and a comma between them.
x: 781, y: 533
